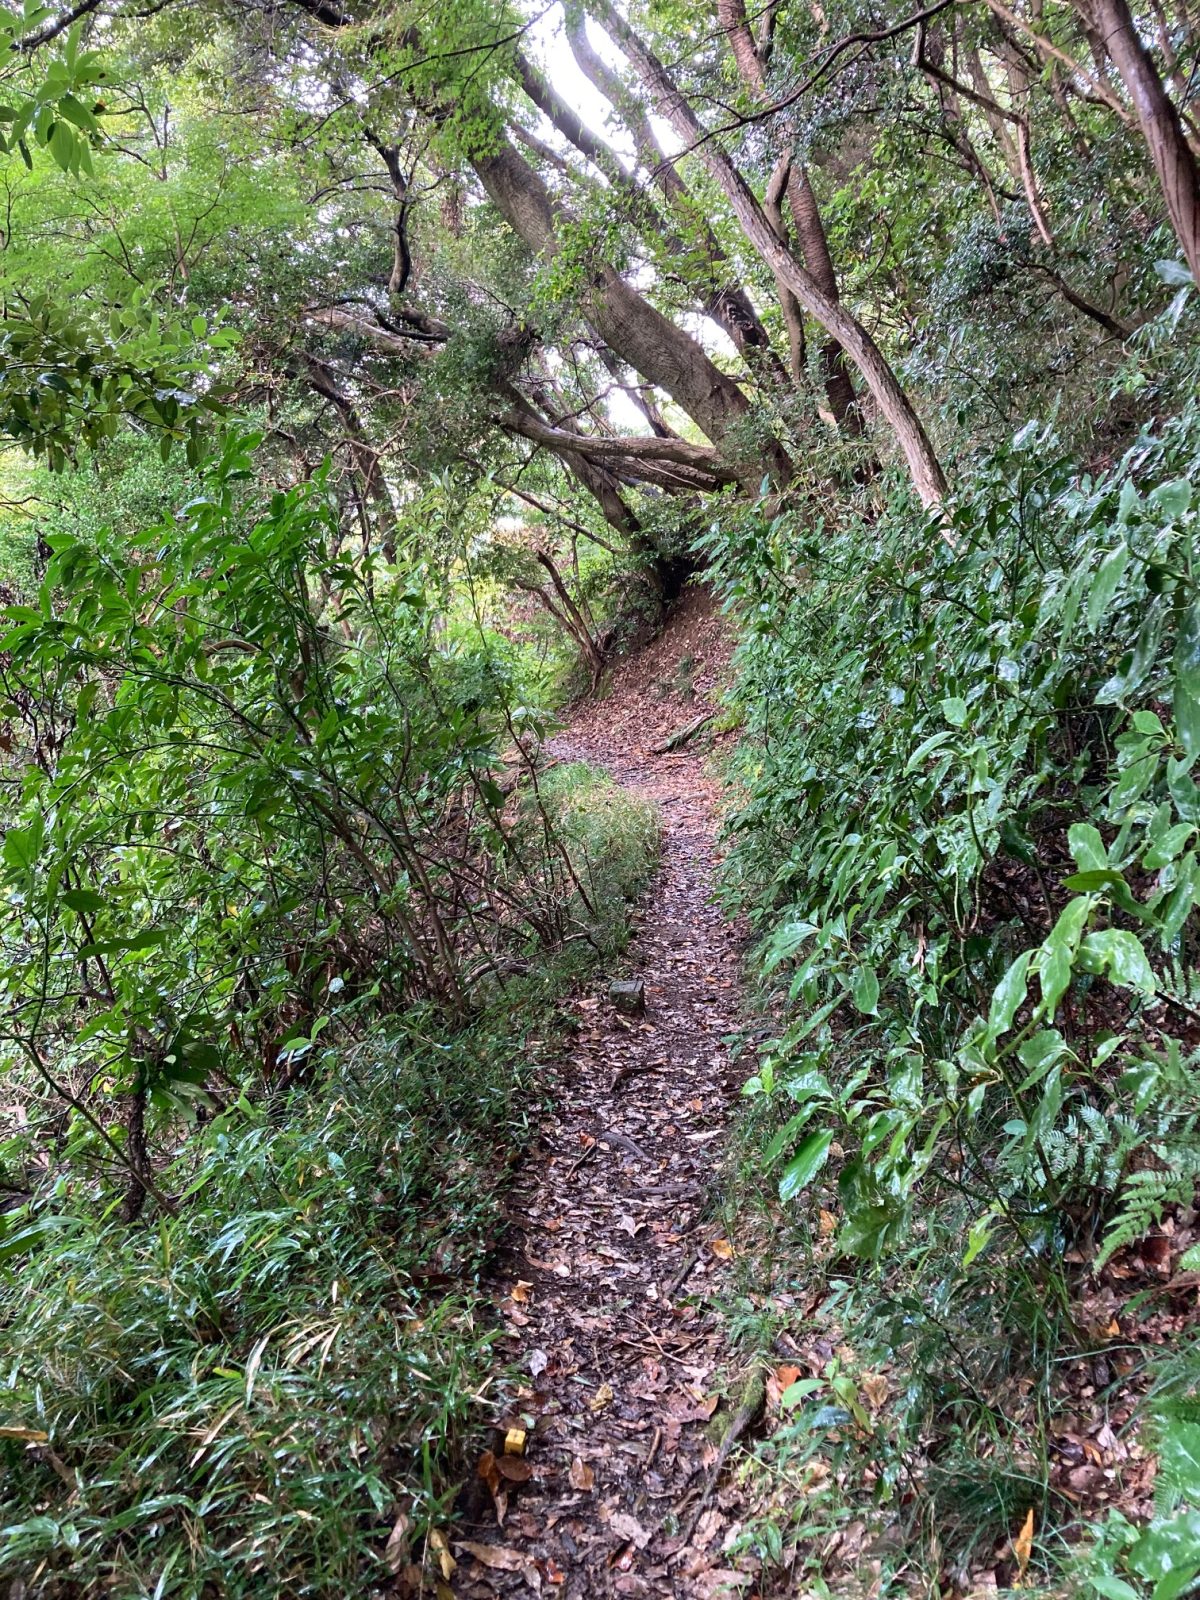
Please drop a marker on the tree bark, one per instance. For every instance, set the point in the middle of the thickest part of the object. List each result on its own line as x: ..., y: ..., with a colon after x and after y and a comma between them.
x: 634, y: 330
x: 895, y: 406
x: 1159, y: 121
x: 806, y: 219
x: 725, y: 300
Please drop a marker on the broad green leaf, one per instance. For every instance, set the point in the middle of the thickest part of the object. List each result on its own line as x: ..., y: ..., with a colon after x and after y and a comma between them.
x: 1120, y: 957
x: 1008, y: 995
x: 805, y: 1164
x: 865, y: 989
x: 1087, y: 847
x: 1104, y: 584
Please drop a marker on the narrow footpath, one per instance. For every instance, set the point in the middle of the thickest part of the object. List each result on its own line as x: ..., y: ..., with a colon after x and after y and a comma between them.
x: 617, y: 1253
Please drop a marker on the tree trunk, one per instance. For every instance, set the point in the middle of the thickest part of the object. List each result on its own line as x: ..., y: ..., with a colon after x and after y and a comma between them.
x: 638, y: 334
x: 806, y: 218
x: 923, y: 465
x: 1159, y: 121
x: 726, y: 302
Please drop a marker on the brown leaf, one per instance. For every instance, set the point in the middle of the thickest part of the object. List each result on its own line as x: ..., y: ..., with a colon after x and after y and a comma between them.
x: 493, y: 1556
x: 395, y: 1552
x: 627, y: 1527
x: 601, y: 1398
x: 721, y: 1248
x: 581, y: 1475
x: 521, y: 1291
x: 875, y: 1387
x: 514, y: 1468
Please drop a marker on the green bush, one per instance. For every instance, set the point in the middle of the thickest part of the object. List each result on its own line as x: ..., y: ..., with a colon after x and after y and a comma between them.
x: 247, y: 1394
x: 967, y: 833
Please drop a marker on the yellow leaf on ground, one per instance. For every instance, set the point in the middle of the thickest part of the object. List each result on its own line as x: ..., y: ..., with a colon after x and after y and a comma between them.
x: 437, y: 1541
x: 601, y: 1397
x: 1022, y: 1545
x: 721, y: 1248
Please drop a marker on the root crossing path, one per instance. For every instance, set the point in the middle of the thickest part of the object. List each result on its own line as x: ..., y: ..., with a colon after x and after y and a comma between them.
x: 617, y: 1251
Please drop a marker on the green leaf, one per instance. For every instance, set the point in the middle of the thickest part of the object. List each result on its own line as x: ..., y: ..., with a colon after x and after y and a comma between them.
x: 22, y: 846
x: 1087, y: 847
x: 1008, y: 995
x: 1119, y: 956
x: 112, y: 947
x: 865, y: 989
x: 978, y: 1235
x: 1173, y: 498
x: 62, y: 145
x: 1104, y: 584
x: 805, y: 1164
x: 84, y: 900
x: 787, y: 1133
x: 955, y: 711
x: 1186, y: 665
x: 1056, y: 958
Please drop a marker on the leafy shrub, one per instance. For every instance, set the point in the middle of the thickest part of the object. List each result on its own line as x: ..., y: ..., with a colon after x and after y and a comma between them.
x: 967, y: 834
x: 253, y: 1390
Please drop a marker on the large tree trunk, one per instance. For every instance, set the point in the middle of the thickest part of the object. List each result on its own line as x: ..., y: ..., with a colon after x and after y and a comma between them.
x: 806, y: 219
x: 895, y: 406
x: 641, y: 336
x: 1159, y: 121
x: 726, y: 302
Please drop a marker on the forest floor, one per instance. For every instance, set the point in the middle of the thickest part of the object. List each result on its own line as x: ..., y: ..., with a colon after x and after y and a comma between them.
x: 609, y: 1280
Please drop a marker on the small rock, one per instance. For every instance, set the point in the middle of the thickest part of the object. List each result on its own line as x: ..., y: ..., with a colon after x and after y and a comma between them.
x: 629, y: 996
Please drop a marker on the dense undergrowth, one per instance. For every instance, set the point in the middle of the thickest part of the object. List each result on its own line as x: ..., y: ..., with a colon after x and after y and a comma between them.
x: 287, y: 907
x: 966, y: 825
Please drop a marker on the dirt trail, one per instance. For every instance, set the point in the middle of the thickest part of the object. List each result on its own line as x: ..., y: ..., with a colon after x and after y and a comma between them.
x: 616, y: 1251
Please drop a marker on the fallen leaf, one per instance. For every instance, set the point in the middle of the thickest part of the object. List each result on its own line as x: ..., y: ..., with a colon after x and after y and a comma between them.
x: 395, y: 1552
x: 627, y: 1527
x: 538, y: 1362
x: 581, y: 1475
x: 629, y: 1226
x: 1022, y: 1545
x: 875, y: 1386
x: 601, y: 1398
x: 521, y: 1291
x: 721, y: 1248
x: 494, y: 1556
x: 514, y: 1468
x: 437, y: 1543
x: 779, y: 1382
